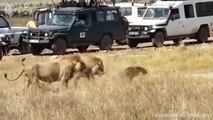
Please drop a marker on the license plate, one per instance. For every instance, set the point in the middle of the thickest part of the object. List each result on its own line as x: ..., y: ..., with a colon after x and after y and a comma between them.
x: 133, y: 33
x: 34, y: 41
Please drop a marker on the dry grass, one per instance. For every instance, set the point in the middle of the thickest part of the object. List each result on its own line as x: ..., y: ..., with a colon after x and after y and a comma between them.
x: 18, y: 21
x: 169, y: 89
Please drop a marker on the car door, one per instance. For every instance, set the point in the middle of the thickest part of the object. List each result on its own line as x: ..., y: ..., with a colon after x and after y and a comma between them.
x: 175, y: 21
x: 189, y: 26
x: 97, y: 28
x: 4, y: 25
x: 79, y: 32
x: 112, y: 24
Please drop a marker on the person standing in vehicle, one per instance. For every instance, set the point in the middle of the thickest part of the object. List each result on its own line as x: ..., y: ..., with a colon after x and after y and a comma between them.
x: 81, y: 3
x: 95, y: 3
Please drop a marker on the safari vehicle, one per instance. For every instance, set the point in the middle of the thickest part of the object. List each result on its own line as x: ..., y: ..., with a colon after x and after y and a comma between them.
x: 14, y: 34
x: 131, y: 11
x: 78, y: 27
x: 173, y: 20
x: 4, y: 45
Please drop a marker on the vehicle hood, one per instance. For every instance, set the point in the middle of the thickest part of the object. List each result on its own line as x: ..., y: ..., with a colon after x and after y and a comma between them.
x: 132, y: 19
x: 147, y: 22
x: 50, y: 28
x: 12, y: 30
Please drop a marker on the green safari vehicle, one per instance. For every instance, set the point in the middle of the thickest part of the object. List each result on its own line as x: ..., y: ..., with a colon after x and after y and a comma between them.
x: 78, y: 27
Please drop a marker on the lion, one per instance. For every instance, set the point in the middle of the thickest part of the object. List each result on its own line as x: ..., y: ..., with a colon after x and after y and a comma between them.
x: 94, y: 66
x: 133, y: 71
x: 61, y: 69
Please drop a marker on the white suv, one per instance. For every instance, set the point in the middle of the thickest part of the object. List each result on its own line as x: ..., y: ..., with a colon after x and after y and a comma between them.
x: 131, y: 11
x: 173, y: 20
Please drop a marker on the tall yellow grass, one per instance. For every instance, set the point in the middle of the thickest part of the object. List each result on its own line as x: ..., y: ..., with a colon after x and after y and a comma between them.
x: 169, y: 91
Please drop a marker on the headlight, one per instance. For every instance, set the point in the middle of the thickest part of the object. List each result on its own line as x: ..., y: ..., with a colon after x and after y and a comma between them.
x: 31, y: 34
x: 46, y: 34
x: 146, y: 28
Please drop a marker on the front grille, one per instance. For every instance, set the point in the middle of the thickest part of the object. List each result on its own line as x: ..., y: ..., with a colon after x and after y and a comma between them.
x: 137, y: 28
x: 34, y: 35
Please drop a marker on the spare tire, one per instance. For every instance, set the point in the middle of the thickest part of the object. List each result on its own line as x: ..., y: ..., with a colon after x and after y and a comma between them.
x: 125, y: 24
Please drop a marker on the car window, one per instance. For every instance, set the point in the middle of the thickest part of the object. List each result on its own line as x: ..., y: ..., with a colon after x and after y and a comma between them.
x: 84, y: 19
x: 100, y: 16
x: 141, y: 11
x: 189, y: 11
x: 110, y: 15
x: 175, y: 14
x: 41, y: 18
x: 3, y: 23
x: 126, y: 11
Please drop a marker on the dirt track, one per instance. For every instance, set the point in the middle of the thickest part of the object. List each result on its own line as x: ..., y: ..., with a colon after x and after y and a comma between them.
x: 116, y: 49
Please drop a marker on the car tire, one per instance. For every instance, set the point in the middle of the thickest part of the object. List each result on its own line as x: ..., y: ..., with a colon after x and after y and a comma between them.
x: 35, y: 49
x: 59, y: 46
x: 177, y: 42
x: 202, y: 35
x: 24, y: 48
x: 106, y: 42
x: 132, y: 43
x: 82, y: 48
x: 121, y: 42
x: 158, y: 39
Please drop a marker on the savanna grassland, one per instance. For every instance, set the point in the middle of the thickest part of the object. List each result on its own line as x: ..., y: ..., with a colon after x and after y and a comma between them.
x: 179, y: 84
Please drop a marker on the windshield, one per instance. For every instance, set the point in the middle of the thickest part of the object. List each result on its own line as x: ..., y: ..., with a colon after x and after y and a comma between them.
x: 44, y: 17
x: 156, y: 13
x: 126, y: 11
x: 62, y: 19
x: 141, y: 12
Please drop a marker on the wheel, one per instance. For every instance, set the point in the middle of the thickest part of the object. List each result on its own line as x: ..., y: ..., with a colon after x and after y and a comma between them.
x: 177, y: 42
x: 105, y: 42
x: 132, y: 43
x: 35, y: 49
x: 158, y: 39
x: 59, y: 46
x: 82, y: 48
x: 121, y: 41
x: 203, y: 34
x: 24, y: 48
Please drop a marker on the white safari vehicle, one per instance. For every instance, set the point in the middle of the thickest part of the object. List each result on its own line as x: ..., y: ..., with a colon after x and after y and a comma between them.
x: 173, y: 20
x: 131, y: 11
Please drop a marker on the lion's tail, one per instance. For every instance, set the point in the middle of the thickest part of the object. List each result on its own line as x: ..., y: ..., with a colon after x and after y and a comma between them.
x: 5, y: 76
